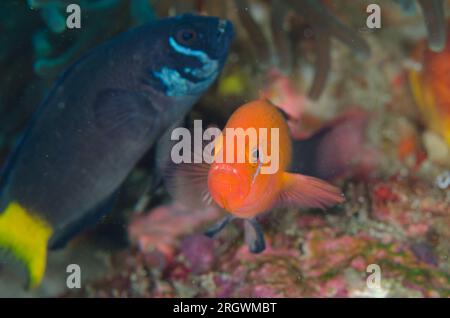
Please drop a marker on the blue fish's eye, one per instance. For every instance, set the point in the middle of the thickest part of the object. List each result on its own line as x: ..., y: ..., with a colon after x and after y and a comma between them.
x: 186, y: 36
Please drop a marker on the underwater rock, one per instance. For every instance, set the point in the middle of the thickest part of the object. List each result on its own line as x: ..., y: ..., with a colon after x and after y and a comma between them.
x: 437, y: 149
x: 199, y: 252
x: 330, y: 252
x: 410, y: 205
x: 308, y: 255
x: 424, y: 252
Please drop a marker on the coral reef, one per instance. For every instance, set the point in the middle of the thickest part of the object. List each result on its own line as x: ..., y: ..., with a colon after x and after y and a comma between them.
x: 400, y: 225
x: 393, y: 168
x: 396, y: 214
x: 49, y: 60
x: 434, y: 15
x: 290, y: 22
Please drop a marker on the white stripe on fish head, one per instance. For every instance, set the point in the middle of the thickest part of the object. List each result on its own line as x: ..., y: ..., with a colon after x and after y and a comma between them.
x: 176, y: 84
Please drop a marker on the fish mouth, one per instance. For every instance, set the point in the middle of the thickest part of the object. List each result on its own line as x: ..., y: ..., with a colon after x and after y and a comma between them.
x: 228, y: 186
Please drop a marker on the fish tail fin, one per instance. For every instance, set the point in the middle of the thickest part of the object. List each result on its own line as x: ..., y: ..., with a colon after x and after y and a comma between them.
x: 305, y: 191
x: 24, y: 237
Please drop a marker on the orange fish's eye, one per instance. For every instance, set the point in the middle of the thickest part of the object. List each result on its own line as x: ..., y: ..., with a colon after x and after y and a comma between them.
x: 257, y: 156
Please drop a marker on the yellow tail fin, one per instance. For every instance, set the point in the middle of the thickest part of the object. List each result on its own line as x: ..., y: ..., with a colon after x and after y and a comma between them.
x: 25, y: 236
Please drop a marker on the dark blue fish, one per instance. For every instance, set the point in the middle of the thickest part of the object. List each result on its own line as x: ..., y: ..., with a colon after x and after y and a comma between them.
x: 103, y: 114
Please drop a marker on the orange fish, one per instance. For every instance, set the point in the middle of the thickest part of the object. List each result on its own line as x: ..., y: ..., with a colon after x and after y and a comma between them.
x: 431, y: 87
x: 250, y: 177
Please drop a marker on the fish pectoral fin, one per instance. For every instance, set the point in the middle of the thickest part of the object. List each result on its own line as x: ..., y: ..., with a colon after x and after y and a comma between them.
x: 124, y: 111
x: 219, y: 226
x: 254, y: 236
x: 186, y: 181
x: 305, y: 191
x: 24, y: 236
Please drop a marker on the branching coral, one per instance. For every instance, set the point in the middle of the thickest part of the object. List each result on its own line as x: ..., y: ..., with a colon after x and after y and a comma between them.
x: 323, y: 24
x: 434, y: 15
x: 320, y: 23
x: 273, y: 48
x: 96, y: 23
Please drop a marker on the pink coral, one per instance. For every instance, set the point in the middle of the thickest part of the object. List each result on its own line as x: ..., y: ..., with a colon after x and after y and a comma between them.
x: 198, y: 250
x: 160, y: 230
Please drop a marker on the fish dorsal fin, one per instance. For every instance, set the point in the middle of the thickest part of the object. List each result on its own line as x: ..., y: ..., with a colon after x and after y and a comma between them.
x: 263, y: 97
x: 309, y: 192
x: 284, y: 114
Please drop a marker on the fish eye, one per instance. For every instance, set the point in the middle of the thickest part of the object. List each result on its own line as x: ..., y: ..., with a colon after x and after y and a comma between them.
x: 256, y: 155
x: 186, y: 36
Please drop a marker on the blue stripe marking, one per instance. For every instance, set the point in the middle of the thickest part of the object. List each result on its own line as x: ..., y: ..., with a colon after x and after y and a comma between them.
x: 202, y: 56
x: 176, y: 84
